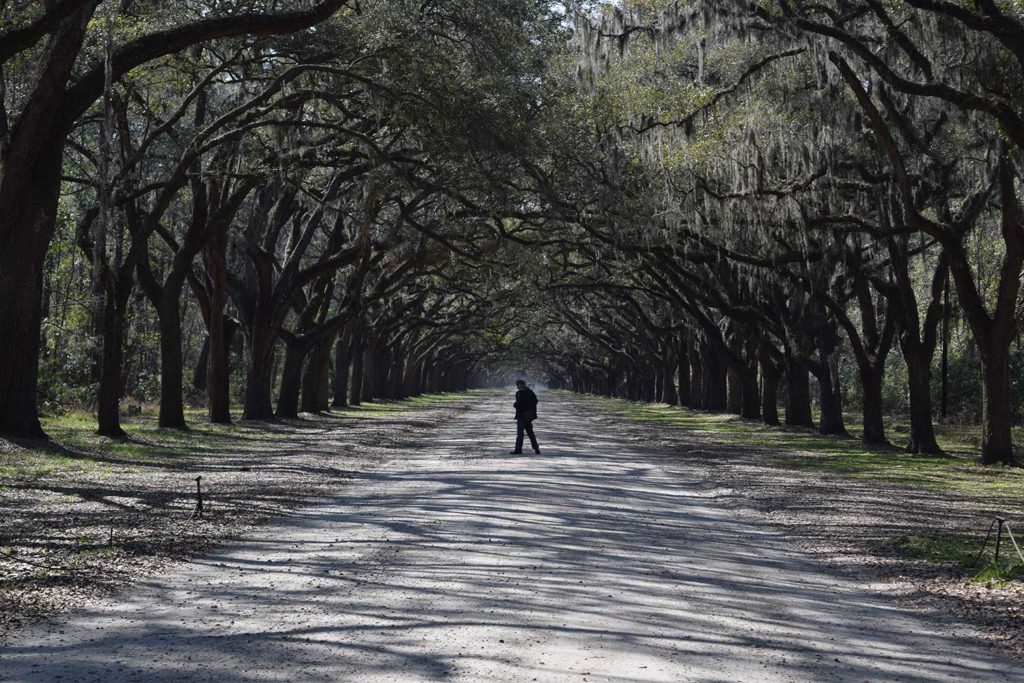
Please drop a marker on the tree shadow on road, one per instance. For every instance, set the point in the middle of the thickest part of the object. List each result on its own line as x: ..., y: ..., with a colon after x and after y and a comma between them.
x: 593, y: 560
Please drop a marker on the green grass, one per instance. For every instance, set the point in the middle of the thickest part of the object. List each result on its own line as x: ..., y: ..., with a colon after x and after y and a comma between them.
x: 76, y: 447
x: 968, y: 552
x: 78, y: 470
x: 847, y: 456
x: 940, y: 548
x: 998, y: 574
x: 795, y: 449
x: 379, y: 408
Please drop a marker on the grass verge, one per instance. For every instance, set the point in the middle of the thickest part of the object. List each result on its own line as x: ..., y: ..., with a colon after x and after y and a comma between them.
x: 956, y: 479
x: 847, y: 456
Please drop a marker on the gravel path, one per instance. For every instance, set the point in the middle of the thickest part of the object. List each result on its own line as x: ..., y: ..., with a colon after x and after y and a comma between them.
x: 596, y: 561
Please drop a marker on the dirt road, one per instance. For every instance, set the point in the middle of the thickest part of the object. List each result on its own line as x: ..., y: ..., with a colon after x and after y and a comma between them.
x: 595, y: 561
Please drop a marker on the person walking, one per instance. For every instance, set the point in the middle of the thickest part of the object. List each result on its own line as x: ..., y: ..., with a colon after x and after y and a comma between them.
x: 526, y: 413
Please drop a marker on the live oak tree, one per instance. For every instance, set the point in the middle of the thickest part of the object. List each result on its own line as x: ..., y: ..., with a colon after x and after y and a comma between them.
x: 54, y: 71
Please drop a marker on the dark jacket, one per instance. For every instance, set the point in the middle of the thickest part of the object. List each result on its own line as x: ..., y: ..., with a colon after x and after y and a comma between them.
x: 526, y: 404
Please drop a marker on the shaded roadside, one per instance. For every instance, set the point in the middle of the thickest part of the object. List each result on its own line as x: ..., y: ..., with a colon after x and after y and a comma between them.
x: 911, y: 525
x: 84, y: 516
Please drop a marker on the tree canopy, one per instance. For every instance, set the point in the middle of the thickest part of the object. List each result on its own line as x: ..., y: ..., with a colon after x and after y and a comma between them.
x: 779, y: 208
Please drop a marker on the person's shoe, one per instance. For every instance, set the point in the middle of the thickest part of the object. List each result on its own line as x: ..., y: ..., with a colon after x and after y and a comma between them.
x: 537, y: 451
x: 515, y: 452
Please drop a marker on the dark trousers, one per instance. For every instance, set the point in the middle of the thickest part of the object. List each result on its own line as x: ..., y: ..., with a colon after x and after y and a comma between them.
x: 524, y: 425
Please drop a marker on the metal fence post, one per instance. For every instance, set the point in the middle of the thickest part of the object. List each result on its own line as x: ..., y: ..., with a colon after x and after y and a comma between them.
x: 999, y: 536
x: 199, y: 500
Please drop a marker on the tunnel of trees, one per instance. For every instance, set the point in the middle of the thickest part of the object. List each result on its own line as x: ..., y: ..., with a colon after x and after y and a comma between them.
x: 787, y: 210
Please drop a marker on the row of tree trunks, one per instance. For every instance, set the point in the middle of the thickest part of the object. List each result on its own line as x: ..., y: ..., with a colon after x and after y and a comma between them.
x: 30, y: 183
x: 697, y: 376
x: 348, y: 369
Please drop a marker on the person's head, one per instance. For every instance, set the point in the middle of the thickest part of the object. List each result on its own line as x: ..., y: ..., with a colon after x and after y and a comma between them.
x: 520, y: 384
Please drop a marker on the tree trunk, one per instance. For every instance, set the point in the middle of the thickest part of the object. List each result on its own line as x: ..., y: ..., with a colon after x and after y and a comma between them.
x: 734, y: 391
x: 355, y: 396
x: 412, y: 378
x: 770, y: 376
x: 685, y: 390
x: 750, y: 393
x: 115, y: 305
x: 798, y: 394
x: 172, y: 368
x: 398, y: 374
x: 947, y: 313
x: 218, y: 377
x: 994, y: 333
x: 831, y: 397
x: 20, y: 319
x: 428, y: 370
x: 370, y: 358
x: 315, y: 376
x: 997, y: 411
x: 381, y: 373
x: 342, y: 363
x: 437, y: 377
x: 714, y: 379
x: 871, y: 380
x: 440, y: 377
x: 697, y: 381
x: 259, y: 375
x: 200, y: 378
x: 221, y: 331
x: 291, y: 380
x: 669, y: 394
x: 324, y: 388
x: 922, y: 431
x: 30, y: 183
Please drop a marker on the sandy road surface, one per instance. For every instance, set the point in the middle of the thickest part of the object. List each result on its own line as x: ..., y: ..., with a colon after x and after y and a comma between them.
x: 595, y: 561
